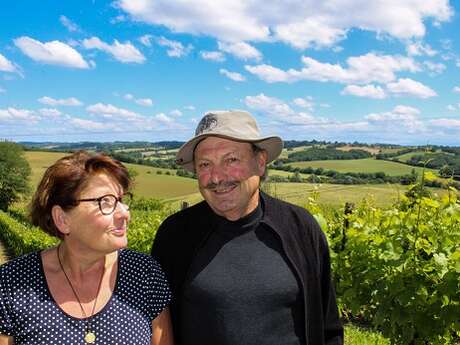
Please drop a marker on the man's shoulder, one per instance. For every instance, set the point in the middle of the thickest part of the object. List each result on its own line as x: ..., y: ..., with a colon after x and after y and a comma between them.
x: 275, y: 205
x: 188, y: 213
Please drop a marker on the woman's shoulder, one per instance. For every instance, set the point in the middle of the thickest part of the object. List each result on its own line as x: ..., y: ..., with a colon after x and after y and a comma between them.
x: 20, y: 263
x: 138, y: 260
x: 20, y: 269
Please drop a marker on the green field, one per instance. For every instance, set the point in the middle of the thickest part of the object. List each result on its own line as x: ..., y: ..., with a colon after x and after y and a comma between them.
x: 177, y: 189
x: 406, y: 156
x: 367, y: 165
x: 286, y: 152
x: 147, y: 183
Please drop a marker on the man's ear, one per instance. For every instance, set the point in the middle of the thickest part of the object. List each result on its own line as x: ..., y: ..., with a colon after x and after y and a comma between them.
x: 262, y: 162
x: 60, y: 219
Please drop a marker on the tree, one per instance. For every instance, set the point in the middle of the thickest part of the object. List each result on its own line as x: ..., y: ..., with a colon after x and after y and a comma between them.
x: 14, y: 174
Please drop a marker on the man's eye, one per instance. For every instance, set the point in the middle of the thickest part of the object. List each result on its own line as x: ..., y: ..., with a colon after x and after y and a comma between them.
x: 232, y: 160
x: 203, y: 165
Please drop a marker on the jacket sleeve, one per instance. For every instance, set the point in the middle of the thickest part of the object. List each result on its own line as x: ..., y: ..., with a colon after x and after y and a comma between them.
x: 333, y: 329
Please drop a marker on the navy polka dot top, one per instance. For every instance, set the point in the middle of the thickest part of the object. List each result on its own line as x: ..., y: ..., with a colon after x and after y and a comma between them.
x: 30, y: 315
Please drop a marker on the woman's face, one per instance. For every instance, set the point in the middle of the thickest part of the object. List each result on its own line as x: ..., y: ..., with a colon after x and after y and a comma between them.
x: 92, y: 230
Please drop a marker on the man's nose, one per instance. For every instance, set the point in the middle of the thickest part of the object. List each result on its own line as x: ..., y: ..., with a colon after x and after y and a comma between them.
x: 218, y: 174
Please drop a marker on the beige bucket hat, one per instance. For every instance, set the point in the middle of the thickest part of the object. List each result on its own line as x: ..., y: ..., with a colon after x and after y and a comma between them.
x: 237, y: 125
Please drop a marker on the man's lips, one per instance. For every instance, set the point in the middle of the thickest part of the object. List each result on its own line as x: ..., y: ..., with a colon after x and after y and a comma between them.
x: 222, y: 188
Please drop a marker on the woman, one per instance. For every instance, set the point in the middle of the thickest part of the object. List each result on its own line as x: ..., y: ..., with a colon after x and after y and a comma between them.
x: 88, y: 289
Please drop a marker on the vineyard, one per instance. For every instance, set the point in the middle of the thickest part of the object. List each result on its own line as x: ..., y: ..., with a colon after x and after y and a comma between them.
x: 397, y: 269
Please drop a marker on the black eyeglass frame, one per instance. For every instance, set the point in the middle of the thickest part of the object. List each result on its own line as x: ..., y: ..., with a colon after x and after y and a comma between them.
x: 117, y: 200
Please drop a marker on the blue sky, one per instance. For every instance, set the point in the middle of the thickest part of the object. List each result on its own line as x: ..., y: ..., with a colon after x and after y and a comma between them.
x: 346, y: 70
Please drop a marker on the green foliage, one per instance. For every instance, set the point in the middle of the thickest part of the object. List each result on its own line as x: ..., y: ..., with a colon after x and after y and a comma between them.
x: 20, y: 237
x: 400, y: 268
x: 146, y: 204
x: 359, y: 336
x: 316, y: 154
x: 14, y: 174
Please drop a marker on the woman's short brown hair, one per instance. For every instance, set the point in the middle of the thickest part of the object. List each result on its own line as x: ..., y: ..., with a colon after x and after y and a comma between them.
x: 62, y: 182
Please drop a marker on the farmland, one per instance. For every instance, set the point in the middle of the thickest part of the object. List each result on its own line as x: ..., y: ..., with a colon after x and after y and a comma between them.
x: 368, y: 165
x: 164, y: 184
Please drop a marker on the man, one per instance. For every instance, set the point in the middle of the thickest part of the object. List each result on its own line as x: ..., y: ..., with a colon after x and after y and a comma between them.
x: 244, y: 268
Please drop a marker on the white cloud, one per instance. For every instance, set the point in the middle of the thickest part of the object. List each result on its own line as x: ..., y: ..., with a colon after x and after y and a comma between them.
x: 189, y: 107
x: 418, y: 48
x: 306, y: 103
x: 213, y: 56
x: 271, y: 105
x: 123, y: 52
x: 89, y: 124
x: 400, y: 117
x: 409, y: 87
x: 362, y: 69
x: 110, y: 111
x: 232, y: 75
x: 50, y: 112
x: 161, y: 117
x: 451, y: 107
x: 280, y: 111
x: 72, y: 27
x: 6, y: 65
x: 369, y: 91
x: 118, y: 19
x: 176, y: 49
x: 435, y: 68
x: 146, y: 102
x: 309, y: 32
x: 456, y: 89
x: 72, y: 101
x: 146, y: 40
x: 449, y: 124
x: 53, y: 53
x: 241, y: 50
x: 23, y: 116
x: 294, y: 22
x: 176, y: 112
x: 2, y: 90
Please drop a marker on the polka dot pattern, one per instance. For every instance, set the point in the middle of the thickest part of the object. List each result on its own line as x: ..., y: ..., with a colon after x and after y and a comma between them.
x: 29, y: 313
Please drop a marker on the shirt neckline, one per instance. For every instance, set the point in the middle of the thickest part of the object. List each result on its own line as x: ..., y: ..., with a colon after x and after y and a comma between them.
x: 56, y: 305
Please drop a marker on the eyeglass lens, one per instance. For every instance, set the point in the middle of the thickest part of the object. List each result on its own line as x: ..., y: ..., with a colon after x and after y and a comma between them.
x: 108, y: 203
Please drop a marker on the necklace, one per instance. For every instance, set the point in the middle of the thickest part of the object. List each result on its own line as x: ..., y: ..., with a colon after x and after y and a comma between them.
x: 90, y: 336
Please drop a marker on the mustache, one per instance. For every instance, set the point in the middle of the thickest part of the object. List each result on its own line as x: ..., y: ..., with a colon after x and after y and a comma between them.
x: 221, y: 185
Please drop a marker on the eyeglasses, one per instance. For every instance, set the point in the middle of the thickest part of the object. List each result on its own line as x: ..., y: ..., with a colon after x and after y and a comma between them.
x: 108, y: 203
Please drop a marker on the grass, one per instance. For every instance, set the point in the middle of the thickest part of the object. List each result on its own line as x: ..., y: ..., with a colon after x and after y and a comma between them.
x: 367, y: 165
x: 355, y: 335
x: 336, y: 195
x: 406, y: 156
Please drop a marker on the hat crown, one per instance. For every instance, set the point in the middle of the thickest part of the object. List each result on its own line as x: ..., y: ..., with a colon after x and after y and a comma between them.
x: 238, y: 124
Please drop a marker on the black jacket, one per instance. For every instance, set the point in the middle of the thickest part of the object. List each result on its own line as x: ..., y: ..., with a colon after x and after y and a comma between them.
x: 182, y: 234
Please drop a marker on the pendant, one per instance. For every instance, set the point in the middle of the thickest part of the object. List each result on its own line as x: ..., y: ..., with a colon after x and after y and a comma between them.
x: 90, y: 337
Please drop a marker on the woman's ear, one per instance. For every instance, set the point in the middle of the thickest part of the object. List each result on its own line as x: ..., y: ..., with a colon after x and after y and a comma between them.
x: 60, y: 219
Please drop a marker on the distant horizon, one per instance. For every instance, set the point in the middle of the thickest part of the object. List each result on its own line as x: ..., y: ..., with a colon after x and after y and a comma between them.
x: 183, y: 141
x: 371, y: 72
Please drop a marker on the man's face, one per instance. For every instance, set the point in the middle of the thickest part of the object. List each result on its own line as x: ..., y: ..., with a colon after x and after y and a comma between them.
x: 228, y: 175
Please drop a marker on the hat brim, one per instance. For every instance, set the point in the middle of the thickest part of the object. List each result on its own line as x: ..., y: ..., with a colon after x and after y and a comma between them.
x: 273, y: 145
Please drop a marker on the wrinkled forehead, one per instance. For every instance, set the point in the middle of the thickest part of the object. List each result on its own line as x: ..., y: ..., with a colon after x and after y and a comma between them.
x: 220, y: 146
